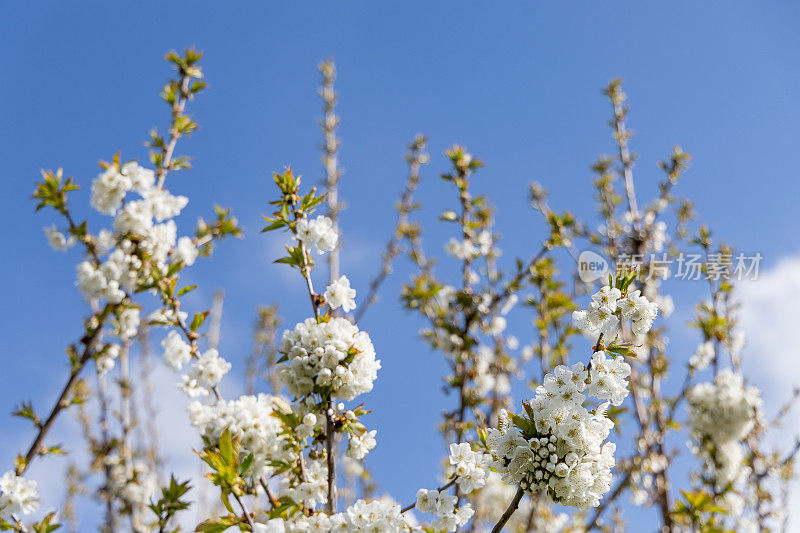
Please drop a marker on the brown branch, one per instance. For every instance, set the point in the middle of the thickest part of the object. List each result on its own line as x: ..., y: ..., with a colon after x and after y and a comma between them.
x: 63, y: 399
x: 273, y: 501
x: 512, y: 507
x: 331, y: 458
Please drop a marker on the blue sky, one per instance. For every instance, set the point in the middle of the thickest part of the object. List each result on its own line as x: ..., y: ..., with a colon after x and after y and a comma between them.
x: 517, y: 83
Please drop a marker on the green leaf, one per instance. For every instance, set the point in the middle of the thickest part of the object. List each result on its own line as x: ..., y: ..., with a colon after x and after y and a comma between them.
x: 226, y: 502
x: 274, y: 225
x: 215, y: 526
x: 184, y: 290
x: 198, y: 320
x: 246, y: 463
x: 226, y: 447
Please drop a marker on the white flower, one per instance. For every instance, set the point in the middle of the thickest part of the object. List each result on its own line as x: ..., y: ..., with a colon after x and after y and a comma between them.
x: 361, y: 445
x: 17, y: 495
x: 469, y: 467
x: 461, y: 249
x: 339, y: 294
x: 57, y: 240
x: 318, y: 232
x: 609, y: 378
x: 105, y: 241
x: 702, y: 356
x: 496, y: 326
x: 484, y: 242
x: 164, y: 205
x: 107, y: 358
x: 607, y: 297
x: 133, y: 484
x: 126, y: 325
x: 205, y: 373
x: 185, y: 251
x: 94, y: 284
x: 141, y: 179
x: 160, y: 240
x: 312, y: 491
x: 136, y: 217
x: 377, y: 515
x: 442, y: 505
x: 426, y: 500
x: 108, y: 191
x: 176, y: 350
x: 276, y: 525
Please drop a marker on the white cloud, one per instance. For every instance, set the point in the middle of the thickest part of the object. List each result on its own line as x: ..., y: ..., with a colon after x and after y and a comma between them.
x: 770, y: 316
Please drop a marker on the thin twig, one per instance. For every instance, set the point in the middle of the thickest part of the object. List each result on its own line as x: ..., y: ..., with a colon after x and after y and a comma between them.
x: 178, y: 107
x: 402, y: 229
x: 440, y: 489
x: 330, y: 158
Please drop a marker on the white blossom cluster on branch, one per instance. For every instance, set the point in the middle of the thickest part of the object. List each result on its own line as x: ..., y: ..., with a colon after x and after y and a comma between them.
x: 332, y: 358
x: 608, y: 305
x: 250, y: 418
x: 721, y: 414
x: 560, y: 448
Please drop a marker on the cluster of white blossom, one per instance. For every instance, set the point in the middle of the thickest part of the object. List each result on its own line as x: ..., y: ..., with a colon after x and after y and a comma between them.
x: 608, y: 305
x: 469, y: 470
x: 112, y: 278
x: 17, y: 495
x: 125, y: 324
x: 204, y: 374
x: 607, y: 378
x: 703, y: 355
x: 250, y: 418
x: 721, y: 414
x: 106, y: 359
x: 360, y: 445
x: 443, y: 505
x: 562, y: 450
x: 142, y: 228
x: 488, y: 381
x: 461, y: 248
x: 724, y: 410
x: 142, y: 234
x: 133, y: 485
x: 469, y: 467
x: 339, y: 294
x: 177, y: 352
x: 313, y: 489
x: 111, y: 186
x: 377, y: 516
x: 318, y: 232
x: 331, y: 357
x: 483, y: 244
